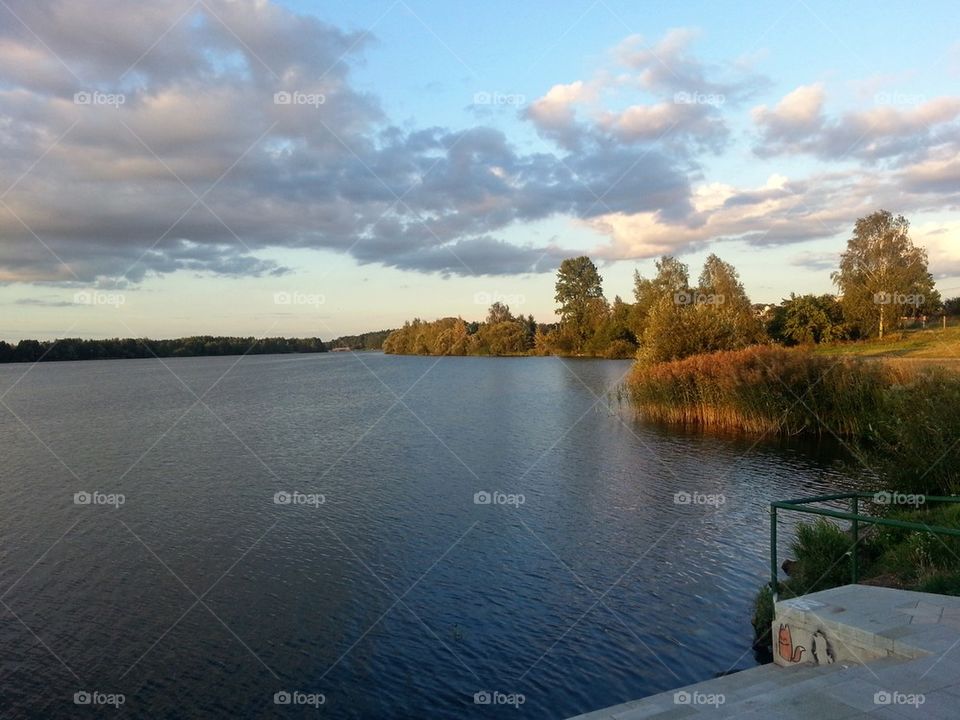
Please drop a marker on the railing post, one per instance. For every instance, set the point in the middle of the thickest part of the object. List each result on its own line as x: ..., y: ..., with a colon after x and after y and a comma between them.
x: 773, y: 552
x: 855, y: 531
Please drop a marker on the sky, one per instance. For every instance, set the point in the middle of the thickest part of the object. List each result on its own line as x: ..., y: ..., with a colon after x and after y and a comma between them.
x: 302, y: 168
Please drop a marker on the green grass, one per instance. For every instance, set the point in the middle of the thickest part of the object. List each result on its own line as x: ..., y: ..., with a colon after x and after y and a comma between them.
x: 931, y: 343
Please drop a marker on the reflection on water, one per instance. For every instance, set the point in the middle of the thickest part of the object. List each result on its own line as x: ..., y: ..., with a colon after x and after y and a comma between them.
x: 629, y: 567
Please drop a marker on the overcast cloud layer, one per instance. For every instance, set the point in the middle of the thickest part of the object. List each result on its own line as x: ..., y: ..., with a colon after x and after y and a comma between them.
x: 178, y: 153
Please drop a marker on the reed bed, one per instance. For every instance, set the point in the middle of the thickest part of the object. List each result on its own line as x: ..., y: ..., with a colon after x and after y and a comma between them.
x: 766, y: 389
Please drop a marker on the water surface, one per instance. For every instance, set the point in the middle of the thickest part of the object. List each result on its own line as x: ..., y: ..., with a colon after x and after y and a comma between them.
x: 398, y: 596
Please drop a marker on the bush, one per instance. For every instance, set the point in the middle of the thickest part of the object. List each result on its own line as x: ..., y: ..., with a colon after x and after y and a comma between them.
x: 620, y: 350
x: 942, y: 584
x: 910, y: 553
x: 821, y: 550
x: 762, y: 617
x: 913, y: 443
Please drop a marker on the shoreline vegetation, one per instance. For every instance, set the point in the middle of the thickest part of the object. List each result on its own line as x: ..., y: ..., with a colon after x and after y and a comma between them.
x: 884, y: 289
x: 900, y: 422
x: 71, y: 349
x: 67, y: 349
x: 763, y: 389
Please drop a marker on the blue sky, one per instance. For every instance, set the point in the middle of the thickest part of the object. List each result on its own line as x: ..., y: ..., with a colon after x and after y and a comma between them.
x: 513, y: 134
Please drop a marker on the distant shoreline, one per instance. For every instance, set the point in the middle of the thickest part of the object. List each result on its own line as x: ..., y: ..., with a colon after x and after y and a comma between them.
x: 78, y: 349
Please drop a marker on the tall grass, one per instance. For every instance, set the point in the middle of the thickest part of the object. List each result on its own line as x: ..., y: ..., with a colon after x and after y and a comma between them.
x: 766, y: 389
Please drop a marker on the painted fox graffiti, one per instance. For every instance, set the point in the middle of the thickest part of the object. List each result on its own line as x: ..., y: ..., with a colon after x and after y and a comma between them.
x: 785, y: 645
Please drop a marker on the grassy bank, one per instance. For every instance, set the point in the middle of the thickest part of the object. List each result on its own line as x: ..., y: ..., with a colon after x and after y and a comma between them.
x: 932, y: 343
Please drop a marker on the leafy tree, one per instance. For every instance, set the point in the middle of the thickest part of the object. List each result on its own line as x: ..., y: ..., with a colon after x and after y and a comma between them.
x: 614, y: 338
x: 683, y: 321
x: 672, y: 277
x: 807, y: 320
x: 447, y: 336
x: 508, y: 337
x: 728, y: 321
x: 499, y: 313
x: 883, y: 274
x: 579, y: 289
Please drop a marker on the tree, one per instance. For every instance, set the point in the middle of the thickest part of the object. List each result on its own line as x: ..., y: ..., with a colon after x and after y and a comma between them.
x: 499, y: 313
x: 683, y: 321
x: 727, y: 311
x: 579, y: 288
x: 508, y: 337
x: 672, y: 277
x: 807, y: 320
x: 883, y: 274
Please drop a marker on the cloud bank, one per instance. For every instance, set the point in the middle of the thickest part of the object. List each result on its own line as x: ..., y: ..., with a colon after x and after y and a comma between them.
x: 144, y: 139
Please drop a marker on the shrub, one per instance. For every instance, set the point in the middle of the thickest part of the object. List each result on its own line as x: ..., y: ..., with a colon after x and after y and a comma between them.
x: 942, y: 583
x: 821, y: 550
x: 762, y: 617
x: 913, y: 443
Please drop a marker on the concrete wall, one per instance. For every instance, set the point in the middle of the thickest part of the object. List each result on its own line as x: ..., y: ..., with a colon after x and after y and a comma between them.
x: 805, y: 633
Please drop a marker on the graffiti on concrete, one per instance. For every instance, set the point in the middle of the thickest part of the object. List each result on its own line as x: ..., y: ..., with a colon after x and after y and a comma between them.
x: 785, y: 645
x: 819, y: 651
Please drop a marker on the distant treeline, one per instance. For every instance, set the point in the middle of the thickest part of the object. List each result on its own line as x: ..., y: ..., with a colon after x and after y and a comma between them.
x: 364, y: 341
x: 121, y: 348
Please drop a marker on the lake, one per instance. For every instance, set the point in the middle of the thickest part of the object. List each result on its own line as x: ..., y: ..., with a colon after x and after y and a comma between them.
x: 375, y: 536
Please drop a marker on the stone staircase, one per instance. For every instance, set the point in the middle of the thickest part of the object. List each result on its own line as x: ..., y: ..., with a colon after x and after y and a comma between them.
x: 867, y: 652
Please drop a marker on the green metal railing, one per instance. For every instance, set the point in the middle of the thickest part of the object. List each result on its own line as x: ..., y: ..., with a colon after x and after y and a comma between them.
x: 855, y: 519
